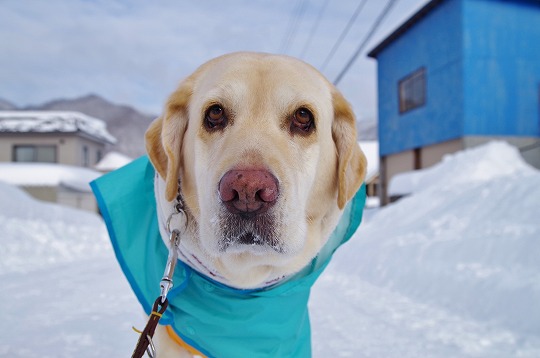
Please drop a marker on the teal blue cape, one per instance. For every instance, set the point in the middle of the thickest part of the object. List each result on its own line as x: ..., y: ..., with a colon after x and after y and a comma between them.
x: 217, y: 320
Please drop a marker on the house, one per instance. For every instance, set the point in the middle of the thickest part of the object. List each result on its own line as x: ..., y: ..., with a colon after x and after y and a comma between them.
x: 70, y: 138
x: 457, y: 74
x: 51, y: 154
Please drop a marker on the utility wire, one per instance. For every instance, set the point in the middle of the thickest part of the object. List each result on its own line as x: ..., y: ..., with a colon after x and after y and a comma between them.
x: 290, y: 25
x: 296, y: 17
x: 343, y: 34
x: 374, y: 28
x: 314, y: 29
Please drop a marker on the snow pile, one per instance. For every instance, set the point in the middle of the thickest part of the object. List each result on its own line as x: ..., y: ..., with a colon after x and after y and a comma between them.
x: 494, y: 160
x: 48, y: 174
x: 54, y: 121
x: 35, y: 234
x: 112, y: 161
x: 454, y: 268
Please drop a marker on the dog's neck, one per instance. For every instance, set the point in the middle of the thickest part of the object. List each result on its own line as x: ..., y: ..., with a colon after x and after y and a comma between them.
x: 189, y: 251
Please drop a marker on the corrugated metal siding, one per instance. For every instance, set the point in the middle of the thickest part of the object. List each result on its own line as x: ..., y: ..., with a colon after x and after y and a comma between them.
x: 502, y: 68
x: 435, y: 43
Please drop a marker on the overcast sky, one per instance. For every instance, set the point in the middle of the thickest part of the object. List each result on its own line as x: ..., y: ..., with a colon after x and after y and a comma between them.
x: 135, y: 52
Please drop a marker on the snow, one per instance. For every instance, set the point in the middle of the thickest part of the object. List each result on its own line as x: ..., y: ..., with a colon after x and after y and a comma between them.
x: 54, y: 121
x: 371, y: 150
x: 497, y: 159
x: 453, y: 268
x: 63, y: 294
x: 450, y: 271
x: 112, y: 161
x: 48, y: 174
x: 36, y: 234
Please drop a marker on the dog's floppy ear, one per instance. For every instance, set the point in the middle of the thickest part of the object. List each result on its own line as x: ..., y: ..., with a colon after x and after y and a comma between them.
x: 164, y: 138
x: 351, y: 160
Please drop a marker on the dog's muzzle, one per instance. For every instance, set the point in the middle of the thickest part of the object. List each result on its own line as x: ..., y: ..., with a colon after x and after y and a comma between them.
x: 247, y: 196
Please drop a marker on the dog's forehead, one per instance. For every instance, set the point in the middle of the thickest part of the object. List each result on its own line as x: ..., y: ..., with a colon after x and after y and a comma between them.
x: 278, y: 78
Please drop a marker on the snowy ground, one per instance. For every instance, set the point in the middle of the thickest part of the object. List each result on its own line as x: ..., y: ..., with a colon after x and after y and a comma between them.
x: 450, y: 271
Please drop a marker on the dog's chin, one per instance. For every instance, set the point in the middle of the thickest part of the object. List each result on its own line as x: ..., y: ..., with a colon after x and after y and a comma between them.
x: 251, y: 243
x: 250, y: 252
x: 260, y: 234
x: 251, y: 266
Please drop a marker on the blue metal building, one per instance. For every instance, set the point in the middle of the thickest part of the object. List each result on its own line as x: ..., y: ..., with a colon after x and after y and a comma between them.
x: 457, y: 74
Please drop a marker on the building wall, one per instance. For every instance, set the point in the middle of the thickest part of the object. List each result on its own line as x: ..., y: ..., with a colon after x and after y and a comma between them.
x: 501, y: 67
x: 84, y: 201
x: 433, y: 154
x: 440, y: 53
x: 69, y: 147
x: 44, y: 193
x: 63, y: 196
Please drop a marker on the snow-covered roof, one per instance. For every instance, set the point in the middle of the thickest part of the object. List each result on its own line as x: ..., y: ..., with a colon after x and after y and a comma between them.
x: 112, y: 161
x: 53, y: 122
x: 47, y: 174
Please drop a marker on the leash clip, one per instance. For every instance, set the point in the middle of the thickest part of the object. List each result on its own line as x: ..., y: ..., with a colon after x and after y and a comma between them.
x: 167, y: 280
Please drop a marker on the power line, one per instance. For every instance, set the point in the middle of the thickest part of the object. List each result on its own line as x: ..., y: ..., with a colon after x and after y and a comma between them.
x: 343, y: 34
x: 296, y: 16
x: 314, y: 29
x: 374, y: 28
x: 286, y: 38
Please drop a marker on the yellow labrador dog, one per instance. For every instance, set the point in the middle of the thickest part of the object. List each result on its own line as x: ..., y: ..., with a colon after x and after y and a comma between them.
x: 266, y: 152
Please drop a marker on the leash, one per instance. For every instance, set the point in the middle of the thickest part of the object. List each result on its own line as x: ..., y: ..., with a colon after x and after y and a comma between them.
x: 145, y: 343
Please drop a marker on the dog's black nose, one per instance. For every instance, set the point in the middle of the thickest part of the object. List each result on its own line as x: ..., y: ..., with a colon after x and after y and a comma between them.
x: 248, y: 192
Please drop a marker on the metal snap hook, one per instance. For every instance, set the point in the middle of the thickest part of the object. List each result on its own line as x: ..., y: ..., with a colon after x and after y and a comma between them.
x: 167, y: 280
x: 151, y: 349
x: 177, y: 221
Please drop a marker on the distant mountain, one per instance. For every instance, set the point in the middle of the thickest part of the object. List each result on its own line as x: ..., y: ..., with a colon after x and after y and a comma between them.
x: 125, y: 123
x: 129, y: 125
x: 6, y: 105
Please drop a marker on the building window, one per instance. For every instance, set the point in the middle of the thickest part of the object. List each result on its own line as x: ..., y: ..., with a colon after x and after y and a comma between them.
x: 412, y: 91
x: 34, y: 153
x: 99, y: 156
x: 85, y: 158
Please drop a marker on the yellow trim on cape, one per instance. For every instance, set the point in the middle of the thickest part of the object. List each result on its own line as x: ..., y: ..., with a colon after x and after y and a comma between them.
x: 183, y: 344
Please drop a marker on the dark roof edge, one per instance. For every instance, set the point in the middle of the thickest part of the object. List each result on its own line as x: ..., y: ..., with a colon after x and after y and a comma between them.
x: 405, y: 27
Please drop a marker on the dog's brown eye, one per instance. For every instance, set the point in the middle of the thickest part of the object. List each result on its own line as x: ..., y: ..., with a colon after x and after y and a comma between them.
x: 302, y: 120
x: 215, y: 117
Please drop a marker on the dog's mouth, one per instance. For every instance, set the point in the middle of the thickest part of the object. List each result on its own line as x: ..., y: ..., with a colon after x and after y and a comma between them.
x: 258, y: 233
x: 250, y: 239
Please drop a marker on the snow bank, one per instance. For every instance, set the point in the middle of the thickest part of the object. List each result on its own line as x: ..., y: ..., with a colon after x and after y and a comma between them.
x: 48, y: 174
x: 488, y: 162
x: 466, y: 245
x: 35, y: 234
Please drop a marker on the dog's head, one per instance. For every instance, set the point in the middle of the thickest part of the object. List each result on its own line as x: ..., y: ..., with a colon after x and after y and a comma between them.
x: 265, y: 149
